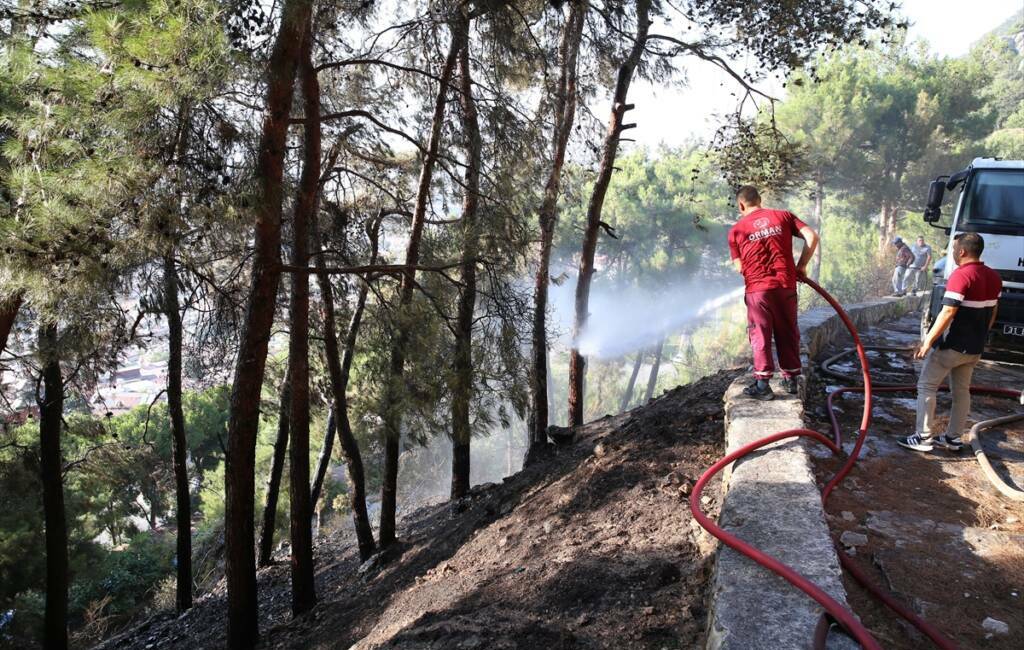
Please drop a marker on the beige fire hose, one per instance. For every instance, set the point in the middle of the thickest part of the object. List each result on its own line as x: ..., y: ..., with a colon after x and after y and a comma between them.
x: 986, y: 466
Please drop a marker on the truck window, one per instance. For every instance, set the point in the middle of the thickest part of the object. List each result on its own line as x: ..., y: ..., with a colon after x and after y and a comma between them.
x: 995, y: 198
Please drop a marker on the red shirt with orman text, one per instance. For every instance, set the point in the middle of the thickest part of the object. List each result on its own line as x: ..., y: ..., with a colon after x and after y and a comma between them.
x: 763, y: 242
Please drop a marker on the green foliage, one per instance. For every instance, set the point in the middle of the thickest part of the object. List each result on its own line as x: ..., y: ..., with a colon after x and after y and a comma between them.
x: 879, y: 123
x: 755, y: 152
x: 128, y: 133
x: 666, y: 207
x: 850, y: 268
x: 126, y: 575
x: 119, y: 481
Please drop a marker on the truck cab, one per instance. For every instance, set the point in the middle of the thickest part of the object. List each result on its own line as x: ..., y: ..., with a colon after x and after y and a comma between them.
x: 991, y: 203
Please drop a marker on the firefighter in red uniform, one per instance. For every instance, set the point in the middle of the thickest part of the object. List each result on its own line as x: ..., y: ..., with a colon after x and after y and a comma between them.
x: 761, y: 246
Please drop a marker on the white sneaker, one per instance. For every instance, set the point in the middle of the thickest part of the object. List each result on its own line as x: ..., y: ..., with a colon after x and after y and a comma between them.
x: 916, y: 442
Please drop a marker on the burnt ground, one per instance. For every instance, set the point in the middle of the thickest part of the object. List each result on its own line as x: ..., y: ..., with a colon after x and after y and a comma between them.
x: 591, y: 547
x: 937, y: 533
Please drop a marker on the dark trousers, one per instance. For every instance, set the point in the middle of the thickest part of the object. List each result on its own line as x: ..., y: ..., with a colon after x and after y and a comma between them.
x: 772, y: 313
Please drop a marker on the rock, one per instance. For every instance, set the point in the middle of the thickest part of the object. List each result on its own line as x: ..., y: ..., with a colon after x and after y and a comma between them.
x: 850, y: 538
x: 371, y: 565
x: 847, y: 516
x: 995, y: 626
x: 1012, y: 519
x: 583, y: 619
x: 549, y: 526
x: 473, y: 641
x: 647, y: 611
x: 685, y: 488
x: 561, y: 435
x: 670, y: 479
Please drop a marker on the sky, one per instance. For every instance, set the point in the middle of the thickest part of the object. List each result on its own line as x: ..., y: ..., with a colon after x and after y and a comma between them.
x: 673, y: 116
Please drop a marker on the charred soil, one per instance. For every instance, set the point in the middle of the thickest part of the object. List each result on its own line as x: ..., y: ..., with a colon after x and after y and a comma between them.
x: 590, y: 546
x: 928, y: 526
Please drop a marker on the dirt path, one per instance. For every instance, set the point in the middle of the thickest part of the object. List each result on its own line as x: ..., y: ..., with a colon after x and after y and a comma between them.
x: 593, y: 547
x: 929, y: 526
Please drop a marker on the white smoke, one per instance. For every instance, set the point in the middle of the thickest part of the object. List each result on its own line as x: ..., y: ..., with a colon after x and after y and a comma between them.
x: 623, y: 320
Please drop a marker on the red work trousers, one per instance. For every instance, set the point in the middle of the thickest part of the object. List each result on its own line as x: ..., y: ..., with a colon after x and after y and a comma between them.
x: 773, y: 313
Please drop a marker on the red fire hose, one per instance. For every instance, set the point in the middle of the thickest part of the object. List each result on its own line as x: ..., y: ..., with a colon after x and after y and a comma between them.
x: 843, y: 616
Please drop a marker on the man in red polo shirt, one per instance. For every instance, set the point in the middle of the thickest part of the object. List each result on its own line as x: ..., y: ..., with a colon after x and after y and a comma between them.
x: 954, y: 343
x: 761, y: 245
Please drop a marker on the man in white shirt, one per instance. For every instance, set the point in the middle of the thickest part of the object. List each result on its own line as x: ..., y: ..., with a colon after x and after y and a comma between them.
x: 922, y: 262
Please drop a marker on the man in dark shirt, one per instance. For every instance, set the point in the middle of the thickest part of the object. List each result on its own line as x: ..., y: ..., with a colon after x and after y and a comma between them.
x: 761, y: 246
x: 904, y: 258
x: 955, y: 342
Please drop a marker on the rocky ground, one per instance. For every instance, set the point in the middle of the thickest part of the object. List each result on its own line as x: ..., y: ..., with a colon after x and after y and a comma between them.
x: 590, y: 547
x: 929, y: 527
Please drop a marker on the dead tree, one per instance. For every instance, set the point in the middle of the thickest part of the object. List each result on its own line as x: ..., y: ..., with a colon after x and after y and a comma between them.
x: 577, y: 365
x: 243, y: 421
x: 273, y: 491
x: 564, y: 114
x: 462, y: 390
x: 393, y: 410
x: 303, y: 588
x: 51, y: 474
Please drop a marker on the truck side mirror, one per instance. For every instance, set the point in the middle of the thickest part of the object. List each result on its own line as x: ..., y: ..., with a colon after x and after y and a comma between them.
x: 936, y: 191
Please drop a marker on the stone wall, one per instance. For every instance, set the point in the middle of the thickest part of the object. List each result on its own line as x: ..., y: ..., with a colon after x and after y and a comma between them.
x: 773, y: 502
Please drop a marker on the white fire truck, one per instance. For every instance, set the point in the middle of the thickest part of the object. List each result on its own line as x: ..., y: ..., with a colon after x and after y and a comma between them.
x: 991, y: 202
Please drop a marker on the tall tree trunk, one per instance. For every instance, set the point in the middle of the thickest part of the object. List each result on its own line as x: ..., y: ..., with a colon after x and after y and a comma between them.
x: 179, y: 441
x: 564, y: 116
x: 269, y: 521
x: 8, y: 314
x: 885, y: 227
x: 550, y: 378
x: 323, y: 462
x: 577, y: 365
x: 393, y: 413
x: 627, y: 396
x: 819, y: 217
x: 243, y: 421
x: 462, y: 390
x: 509, y: 435
x: 652, y: 379
x: 339, y: 368
x: 303, y: 588
x: 51, y: 411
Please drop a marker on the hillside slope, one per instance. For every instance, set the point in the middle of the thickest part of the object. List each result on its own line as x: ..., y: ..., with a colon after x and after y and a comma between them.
x: 593, y: 547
